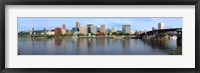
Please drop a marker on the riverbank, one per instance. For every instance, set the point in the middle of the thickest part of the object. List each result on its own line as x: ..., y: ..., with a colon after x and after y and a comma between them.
x: 106, y: 37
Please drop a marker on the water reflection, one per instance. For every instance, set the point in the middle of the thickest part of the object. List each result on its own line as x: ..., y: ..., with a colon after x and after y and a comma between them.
x: 58, y: 41
x: 95, y: 46
x: 167, y: 46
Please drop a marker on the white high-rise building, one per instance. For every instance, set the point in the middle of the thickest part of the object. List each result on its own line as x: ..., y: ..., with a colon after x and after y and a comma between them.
x: 92, y: 28
x: 63, y: 29
x: 126, y: 28
x: 161, y: 25
x: 78, y: 24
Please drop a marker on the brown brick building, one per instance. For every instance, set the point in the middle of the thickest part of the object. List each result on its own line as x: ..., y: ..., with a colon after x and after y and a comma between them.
x: 58, y: 31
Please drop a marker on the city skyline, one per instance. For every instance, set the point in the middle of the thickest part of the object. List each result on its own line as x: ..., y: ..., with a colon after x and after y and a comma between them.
x: 25, y: 24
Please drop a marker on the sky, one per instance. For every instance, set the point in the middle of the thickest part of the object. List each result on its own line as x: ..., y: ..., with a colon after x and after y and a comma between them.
x: 137, y: 23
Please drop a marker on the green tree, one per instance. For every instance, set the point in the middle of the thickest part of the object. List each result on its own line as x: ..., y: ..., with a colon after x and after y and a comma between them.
x: 121, y: 33
x: 127, y: 34
x: 114, y: 33
x: 108, y: 33
x: 80, y: 35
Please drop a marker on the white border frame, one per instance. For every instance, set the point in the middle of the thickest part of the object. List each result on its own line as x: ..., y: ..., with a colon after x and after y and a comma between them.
x: 187, y: 60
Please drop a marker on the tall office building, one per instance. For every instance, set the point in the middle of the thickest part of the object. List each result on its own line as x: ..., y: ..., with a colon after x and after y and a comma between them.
x: 33, y: 29
x: 98, y: 29
x: 63, y: 29
x: 89, y: 28
x: 78, y: 24
x: 161, y: 25
x: 32, y: 32
x: 58, y: 31
x: 126, y: 28
x: 44, y: 31
x: 92, y: 28
x: 103, y: 28
x: 83, y: 29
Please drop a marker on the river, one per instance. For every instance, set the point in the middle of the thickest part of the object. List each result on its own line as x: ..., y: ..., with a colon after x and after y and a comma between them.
x: 94, y: 46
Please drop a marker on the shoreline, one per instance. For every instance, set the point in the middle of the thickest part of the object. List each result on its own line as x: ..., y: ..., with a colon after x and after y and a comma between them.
x: 106, y: 37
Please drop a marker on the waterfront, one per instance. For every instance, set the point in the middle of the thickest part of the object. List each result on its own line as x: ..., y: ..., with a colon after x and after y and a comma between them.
x: 95, y: 46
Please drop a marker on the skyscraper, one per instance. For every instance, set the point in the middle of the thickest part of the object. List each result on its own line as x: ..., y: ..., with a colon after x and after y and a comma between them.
x: 63, y: 29
x: 103, y: 28
x: 78, y: 24
x: 89, y: 28
x: 44, y: 31
x: 126, y: 28
x: 57, y: 31
x: 33, y: 29
x: 161, y: 25
x: 98, y: 29
x: 92, y: 28
x: 32, y: 32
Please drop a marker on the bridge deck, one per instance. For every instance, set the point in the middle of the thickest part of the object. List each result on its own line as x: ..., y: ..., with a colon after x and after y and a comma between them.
x: 164, y: 30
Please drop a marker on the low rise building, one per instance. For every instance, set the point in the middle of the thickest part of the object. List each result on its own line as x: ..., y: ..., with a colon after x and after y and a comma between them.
x: 83, y: 29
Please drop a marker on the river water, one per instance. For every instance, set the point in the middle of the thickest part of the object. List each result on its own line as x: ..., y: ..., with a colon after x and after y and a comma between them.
x: 94, y: 46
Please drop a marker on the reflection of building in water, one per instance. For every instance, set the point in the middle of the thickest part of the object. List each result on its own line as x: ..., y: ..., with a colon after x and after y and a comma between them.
x: 82, y: 43
x: 82, y: 46
x: 114, y: 43
x: 33, y: 42
x: 89, y: 43
x: 101, y: 43
x: 126, y: 43
x: 108, y: 42
x: 44, y: 43
x: 159, y: 44
x: 58, y: 41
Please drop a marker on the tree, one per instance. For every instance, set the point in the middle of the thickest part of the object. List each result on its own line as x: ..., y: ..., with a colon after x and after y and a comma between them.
x: 114, y: 33
x: 121, y: 33
x: 127, y: 34
x: 80, y: 34
x: 136, y: 33
x: 108, y: 33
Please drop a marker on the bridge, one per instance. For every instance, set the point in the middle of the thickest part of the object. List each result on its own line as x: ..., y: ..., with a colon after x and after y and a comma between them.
x: 164, y: 34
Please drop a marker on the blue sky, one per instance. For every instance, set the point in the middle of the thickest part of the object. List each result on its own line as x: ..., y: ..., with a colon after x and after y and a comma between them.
x: 136, y: 23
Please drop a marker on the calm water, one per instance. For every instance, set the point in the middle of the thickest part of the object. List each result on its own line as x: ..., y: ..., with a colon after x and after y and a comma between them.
x: 94, y: 46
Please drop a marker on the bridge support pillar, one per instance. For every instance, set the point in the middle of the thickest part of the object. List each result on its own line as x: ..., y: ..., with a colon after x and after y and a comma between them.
x: 163, y: 37
x: 179, y: 41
